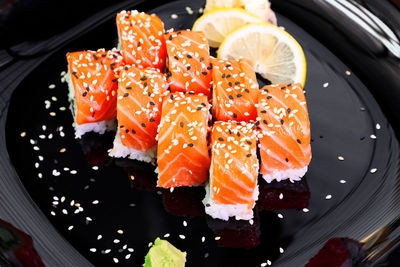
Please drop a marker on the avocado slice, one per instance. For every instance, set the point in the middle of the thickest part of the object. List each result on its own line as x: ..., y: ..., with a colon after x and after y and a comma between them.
x: 164, y: 254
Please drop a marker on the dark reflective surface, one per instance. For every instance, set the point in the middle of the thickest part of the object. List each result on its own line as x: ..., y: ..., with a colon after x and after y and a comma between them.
x: 91, y: 195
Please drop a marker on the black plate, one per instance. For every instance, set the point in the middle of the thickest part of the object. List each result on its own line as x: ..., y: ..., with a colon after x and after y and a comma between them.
x: 345, y: 120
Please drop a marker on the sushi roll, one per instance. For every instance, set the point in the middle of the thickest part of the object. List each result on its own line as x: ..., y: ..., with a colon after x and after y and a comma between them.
x: 188, y: 62
x: 232, y: 190
x: 140, y: 94
x: 141, y: 39
x: 182, y: 155
x: 285, y: 148
x: 235, y: 90
x: 92, y: 89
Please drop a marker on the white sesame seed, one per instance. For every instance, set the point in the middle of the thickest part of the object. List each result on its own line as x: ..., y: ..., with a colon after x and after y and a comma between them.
x: 174, y: 16
x: 95, y: 168
x: 107, y: 251
x: 263, y: 264
x: 340, y: 158
x: 52, y: 86
x: 348, y: 73
x: 373, y: 170
x: 217, y: 238
x: 281, y: 250
x: 70, y: 228
x: 95, y: 202
x: 184, y: 223
x: 182, y: 237
x: 166, y: 235
x: 115, y: 260
x: 116, y: 241
x: 23, y: 134
x: 127, y: 256
x: 373, y: 136
x: 99, y: 237
x: 306, y: 210
x: 53, y: 213
x: 280, y: 216
x: 130, y: 249
x: 120, y: 232
x: 93, y: 250
x: 203, y: 239
x: 342, y: 181
x: 280, y: 196
x: 328, y: 197
x: 378, y: 126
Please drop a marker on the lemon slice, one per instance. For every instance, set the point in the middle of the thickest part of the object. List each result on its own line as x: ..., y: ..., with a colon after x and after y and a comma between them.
x: 219, y: 22
x: 275, y: 54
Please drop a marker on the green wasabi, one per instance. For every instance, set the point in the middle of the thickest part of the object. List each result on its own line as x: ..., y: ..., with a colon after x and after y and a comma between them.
x: 163, y: 254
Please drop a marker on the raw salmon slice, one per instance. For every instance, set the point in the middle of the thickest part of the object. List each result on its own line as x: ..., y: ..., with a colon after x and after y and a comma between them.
x: 140, y: 94
x: 235, y: 90
x: 142, y: 39
x: 233, y: 189
x: 188, y: 62
x: 95, y: 85
x: 285, y: 128
x: 182, y: 155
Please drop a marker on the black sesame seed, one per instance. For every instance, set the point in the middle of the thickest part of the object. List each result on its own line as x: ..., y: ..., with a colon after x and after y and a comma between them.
x: 228, y: 65
x: 126, y: 68
x: 288, y: 110
x: 298, y: 141
x: 221, y: 139
x: 286, y: 159
x: 152, y: 103
x: 190, y: 145
x: 257, y: 123
x: 237, y: 83
x: 248, y: 155
x: 74, y: 73
x: 176, y: 57
x: 84, y: 94
x: 127, y: 130
x: 181, y: 124
x: 230, y: 84
x: 282, y: 121
x: 239, y: 95
x: 138, y: 44
x: 230, y: 97
x: 188, y: 56
x: 93, y: 114
x: 201, y: 59
x: 114, y: 80
x: 234, y: 115
x: 188, y: 67
x: 169, y: 74
x: 133, y: 131
x: 248, y: 142
x: 95, y: 57
x: 103, y: 55
x: 170, y: 37
x: 204, y: 73
x: 128, y: 88
x: 151, y: 120
x: 289, y: 84
x: 126, y: 94
x: 263, y: 111
x: 143, y: 78
x: 208, y: 205
x: 149, y: 93
x: 223, y: 75
x: 203, y: 104
x: 143, y: 125
x: 269, y: 97
x: 121, y: 126
x: 145, y: 84
x: 238, y: 134
x: 171, y: 97
x: 283, y: 87
x: 265, y: 90
x: 228, y: 76
x: 198, y: 108
x: 247, y: 90
x: 265, y: 122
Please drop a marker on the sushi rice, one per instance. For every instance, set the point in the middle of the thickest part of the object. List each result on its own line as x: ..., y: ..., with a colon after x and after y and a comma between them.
x: 291, y: 174
x: 80, y: 129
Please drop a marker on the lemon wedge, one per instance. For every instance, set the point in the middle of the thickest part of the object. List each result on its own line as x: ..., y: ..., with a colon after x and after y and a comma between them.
x: 274, y: 53
x: 219, y: 22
